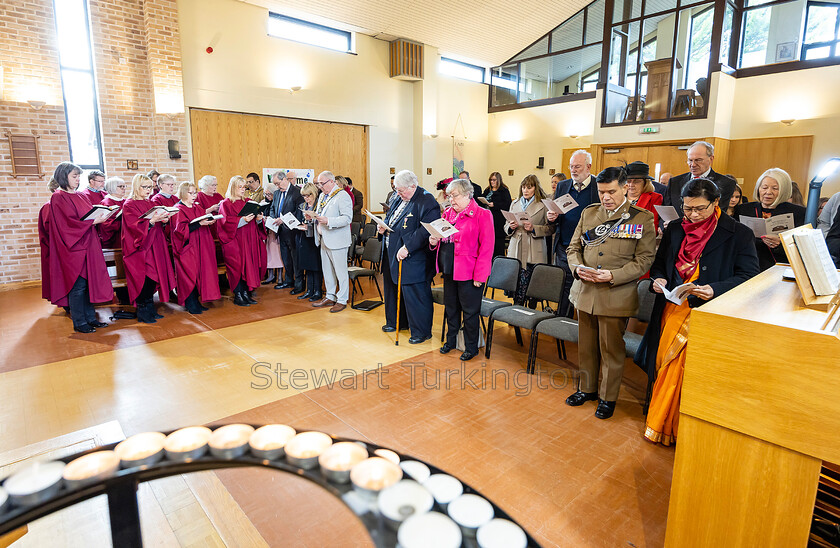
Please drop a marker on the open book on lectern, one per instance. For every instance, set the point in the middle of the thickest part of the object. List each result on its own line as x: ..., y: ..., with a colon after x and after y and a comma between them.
x: 816, y: 274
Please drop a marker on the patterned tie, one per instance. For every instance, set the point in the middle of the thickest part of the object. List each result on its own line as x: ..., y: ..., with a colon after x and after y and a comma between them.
x: 578, y: 186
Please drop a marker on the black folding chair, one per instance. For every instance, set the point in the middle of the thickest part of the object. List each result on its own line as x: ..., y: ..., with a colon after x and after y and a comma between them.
x: 504, y: 275
x: 372, y: 254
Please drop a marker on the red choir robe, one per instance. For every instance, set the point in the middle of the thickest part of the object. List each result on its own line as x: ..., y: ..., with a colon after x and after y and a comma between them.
x: 206, y: 202
x: 243, y: 248
x: 195, y: 256
x: 44, y: 240
x: 93, y: 196
x: 110, y: 230
x: 145, y: 252
x: 160, y: 199
x: 75, y: 250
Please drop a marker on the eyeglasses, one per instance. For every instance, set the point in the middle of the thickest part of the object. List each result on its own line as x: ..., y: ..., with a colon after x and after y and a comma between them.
x: 691, y: 161
x: 147, y: 187
x: 698, y: 209
x: 576, y: 166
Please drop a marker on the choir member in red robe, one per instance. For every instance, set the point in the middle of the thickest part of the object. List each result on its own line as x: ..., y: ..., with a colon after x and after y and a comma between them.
x: 166, y: 197
x: 95, y: 191
x: 111, y: 229
x: 148, y: 265
x: 44, y: 241
x: 153, y: 175
x: 210, y: 199
x: 243, y: 247
x: 196, y: 273
x: 78, y: 276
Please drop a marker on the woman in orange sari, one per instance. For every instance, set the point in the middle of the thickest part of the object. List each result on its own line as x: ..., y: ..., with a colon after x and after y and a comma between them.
x: 713, y: 253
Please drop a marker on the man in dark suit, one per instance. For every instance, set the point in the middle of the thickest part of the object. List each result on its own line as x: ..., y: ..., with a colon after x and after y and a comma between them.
x: 287, y: 199
x: 582, y: 188
x: 476, y: 189
x: 358, y: 202
x: 700, y: 157
x: 409, y: 242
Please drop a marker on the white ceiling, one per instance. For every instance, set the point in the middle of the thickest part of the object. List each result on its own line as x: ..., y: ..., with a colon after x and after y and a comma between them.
x: 485, y: 32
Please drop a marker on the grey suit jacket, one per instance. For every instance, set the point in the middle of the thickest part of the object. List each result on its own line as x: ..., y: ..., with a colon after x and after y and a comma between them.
x: 339, y: 212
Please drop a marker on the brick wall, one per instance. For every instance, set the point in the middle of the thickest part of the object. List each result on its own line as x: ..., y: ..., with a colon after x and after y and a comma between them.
x: 136, y: 47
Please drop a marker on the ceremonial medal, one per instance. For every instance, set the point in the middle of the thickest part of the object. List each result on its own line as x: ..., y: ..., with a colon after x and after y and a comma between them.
x: 627, y: 231
x: 600, y: 233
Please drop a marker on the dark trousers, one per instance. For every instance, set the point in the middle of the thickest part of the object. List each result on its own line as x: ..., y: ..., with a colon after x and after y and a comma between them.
x: 191, y: 303
x: 147, y: 294
x: 289, y: 254
x: 561, y: 260
x: 81, y: 310
x: 462, y: 297
x: 416, y: 305
x: 314, y: 278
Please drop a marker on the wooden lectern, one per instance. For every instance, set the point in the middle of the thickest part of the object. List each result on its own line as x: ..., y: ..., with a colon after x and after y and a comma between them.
x: 760, y: 411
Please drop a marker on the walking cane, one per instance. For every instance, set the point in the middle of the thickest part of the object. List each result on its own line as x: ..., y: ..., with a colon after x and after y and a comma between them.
x: 399, y: 287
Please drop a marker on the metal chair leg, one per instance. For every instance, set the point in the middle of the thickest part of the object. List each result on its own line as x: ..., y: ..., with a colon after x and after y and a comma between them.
x: 563, y: 346
x: 518, y: 335
x: 489, y: 340
x: 532, y: 352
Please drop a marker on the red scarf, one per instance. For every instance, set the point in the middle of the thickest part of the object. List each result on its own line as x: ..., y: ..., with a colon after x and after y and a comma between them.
x: 696, y: 237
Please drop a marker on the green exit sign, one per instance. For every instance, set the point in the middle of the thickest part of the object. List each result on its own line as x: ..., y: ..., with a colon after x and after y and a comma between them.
x: 647, y: 130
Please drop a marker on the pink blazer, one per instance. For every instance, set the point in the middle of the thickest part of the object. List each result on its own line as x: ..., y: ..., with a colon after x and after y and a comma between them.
x: 473, y: 242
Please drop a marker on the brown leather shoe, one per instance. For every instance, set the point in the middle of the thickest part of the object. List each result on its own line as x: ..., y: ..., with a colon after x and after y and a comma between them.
x: 323, y: 302
x: 338, y: 307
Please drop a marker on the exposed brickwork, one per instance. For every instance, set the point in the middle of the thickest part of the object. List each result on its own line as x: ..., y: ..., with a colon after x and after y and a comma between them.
x: 136, y: 48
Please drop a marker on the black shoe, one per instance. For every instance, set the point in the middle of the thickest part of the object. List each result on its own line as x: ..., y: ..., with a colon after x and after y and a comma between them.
x: 305, y: 295
x: 446, y: 349
x: 157, y: 316
x: 249, y: 296
x: 239, y: 300
x: 283, y: 285
x: 203, y: 308
x: 98, y: 324
x: 86, y: 328
x: 467, y: 356
x: 418, y: 340
x: 194, y: 309
x: 145, y: 315
x: 270, y: 279
x: 579, y: 398
x: 316, y: 296
x: 388, y: 329
x: 297, y: 291
x: 605, y: 409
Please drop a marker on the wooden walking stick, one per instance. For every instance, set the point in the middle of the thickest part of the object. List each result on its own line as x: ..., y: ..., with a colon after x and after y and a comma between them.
x: 399, y: 287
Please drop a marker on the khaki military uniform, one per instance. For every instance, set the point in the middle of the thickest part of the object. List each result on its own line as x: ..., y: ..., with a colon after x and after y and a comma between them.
x: 623, y: 242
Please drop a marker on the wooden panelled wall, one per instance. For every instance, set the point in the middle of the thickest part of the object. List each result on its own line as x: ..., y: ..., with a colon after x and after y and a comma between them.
x: 225, y: 144
x: 746, y: 159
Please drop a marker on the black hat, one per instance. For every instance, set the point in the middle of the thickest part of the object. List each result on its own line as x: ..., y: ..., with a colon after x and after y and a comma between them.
x: 638, y: 170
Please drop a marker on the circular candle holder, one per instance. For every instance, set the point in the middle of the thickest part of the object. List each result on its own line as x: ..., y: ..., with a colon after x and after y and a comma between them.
x: 387, y: 454
x: 91, y: 468
x: 269, y: 441
x: 402, y: 500
x: 501, y: 533
x: 372, y: 475
x: 470, y: 512
x: 416, y: 470
x: 338, y: 459
x: 140, y: 449
x: 444, y: 488
x: 230, y: 441
x: 304, y: 449
x: 431, y: 529
x: 35, y: 484
x: 187, y: 443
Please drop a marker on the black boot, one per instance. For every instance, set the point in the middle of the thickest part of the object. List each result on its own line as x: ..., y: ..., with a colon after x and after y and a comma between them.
x: 145, y: 312
x: 272, y: 276
x: 192, y: 305
x: 239, y: 299
x: 249, y: 296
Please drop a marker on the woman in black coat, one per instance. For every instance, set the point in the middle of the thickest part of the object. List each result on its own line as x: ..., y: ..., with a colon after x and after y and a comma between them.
x: 309, y: 256
x: 771, y: 196
x: 714, y: 253
x: 498, y: 197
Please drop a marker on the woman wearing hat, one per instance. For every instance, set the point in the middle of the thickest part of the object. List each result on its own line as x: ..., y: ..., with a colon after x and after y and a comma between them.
x: 640, y: 190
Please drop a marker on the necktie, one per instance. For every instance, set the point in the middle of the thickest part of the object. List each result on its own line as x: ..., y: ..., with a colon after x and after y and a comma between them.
x: 282, y: 197
x: 578, y: 186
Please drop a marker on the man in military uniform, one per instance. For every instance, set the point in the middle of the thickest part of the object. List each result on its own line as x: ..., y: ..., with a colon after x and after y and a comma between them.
x: 613, y: 245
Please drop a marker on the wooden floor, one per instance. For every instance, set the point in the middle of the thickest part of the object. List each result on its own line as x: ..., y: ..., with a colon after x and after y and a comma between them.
x: 570, y: 479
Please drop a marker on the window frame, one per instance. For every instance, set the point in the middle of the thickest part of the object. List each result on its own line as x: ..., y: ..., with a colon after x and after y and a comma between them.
x: 351, y: 39
x: 835, y: 44
x: 484, y: 78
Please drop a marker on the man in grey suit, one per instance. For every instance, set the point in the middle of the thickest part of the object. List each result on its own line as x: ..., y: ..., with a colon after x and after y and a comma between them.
x: 332, y: 232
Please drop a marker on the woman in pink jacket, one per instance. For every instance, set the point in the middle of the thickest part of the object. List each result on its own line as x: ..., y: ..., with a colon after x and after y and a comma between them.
x: 464, y: 259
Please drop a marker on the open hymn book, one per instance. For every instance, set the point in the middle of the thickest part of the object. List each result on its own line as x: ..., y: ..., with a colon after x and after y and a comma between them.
x: 816, y: 274
x: 440, y: 228
x: 679, y: 294
x: 100, y: 211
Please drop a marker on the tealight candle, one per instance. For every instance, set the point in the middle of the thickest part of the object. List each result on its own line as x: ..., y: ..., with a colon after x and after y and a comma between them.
x: 187, y: 443
x: 402, y: 500
x: 501, y: 533
x: 387, y: 454
x: 470, y: 512
x: 374, y: 474
x: 230, y: 441
x: 304, y: 449
x: 416, y: 470
x: 90, y: 468
x: 269, y: 441
x: 338, y: 459
x: 430, y: 529
x: 140, y: 449
x: 35, y: 484
x: 444, y: 488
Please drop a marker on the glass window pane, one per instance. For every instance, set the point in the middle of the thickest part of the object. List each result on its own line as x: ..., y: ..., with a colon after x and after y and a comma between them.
x: 503, y: 85
x: 726, y: 37
x: 568, y: 35
x: 595, y: 22
x: 772, y: 33
x: 756, y: 28
x: 818, y: 53
x: 539, y: 48
x: 700, y: 43
x: 690, y: 82
x: 461, y: 70
x: 72, y: 34
x: 80, y: 100
x: 822, y: 24
x: 749, y: 3
x: 280, y: 26
x: 626, y: 9
x: 656, y: 6
x: 623, y: 54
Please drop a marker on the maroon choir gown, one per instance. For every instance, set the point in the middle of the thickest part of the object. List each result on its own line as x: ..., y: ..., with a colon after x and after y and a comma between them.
x: 160, y: 199
x: 74, y: 250
x: 206, y: 202
x: 243, y: 248
x: 93, y: 196
x: 145, y: 252
x: 109, y: 231
x: 195, y: 256
x: 44, y: 240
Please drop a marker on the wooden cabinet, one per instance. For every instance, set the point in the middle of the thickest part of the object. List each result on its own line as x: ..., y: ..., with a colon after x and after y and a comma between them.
x: 658, y: 89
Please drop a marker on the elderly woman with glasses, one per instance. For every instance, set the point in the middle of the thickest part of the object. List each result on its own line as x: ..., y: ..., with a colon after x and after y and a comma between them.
x: 148, y: 265
x: 464, y: 259
x: 712, y: 252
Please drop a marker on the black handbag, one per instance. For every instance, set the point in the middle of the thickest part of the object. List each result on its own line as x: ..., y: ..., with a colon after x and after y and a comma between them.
x: 446, y: 258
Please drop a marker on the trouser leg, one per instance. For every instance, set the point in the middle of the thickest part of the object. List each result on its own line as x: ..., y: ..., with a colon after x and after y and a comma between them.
x: 562, y: 261
x: 611, y: 330
x: 76, y: 302
x: 452, y: 306
x: 469, y: 297
x: 328, y: 268
x: 589, y: 354
x: 342, y: 275
x: 418, y: 308
x: 389, y: 292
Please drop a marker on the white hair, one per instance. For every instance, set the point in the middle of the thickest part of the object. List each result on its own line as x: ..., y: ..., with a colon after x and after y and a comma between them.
x: 165, y: 177
x: 328, y: 175
x: 112, y: 183
x: 205, y: 181
x: 405, y: 179
x: 585, y: 153
x: 785, y: 185
x: 710, y: 148
x: 463, y: 186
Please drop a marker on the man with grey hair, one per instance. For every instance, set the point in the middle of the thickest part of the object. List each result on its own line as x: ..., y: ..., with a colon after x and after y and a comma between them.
x: 700, y: 156
x: 332, y: 232
x: 95, y: 190
x: 287, y: 199
x: 581, y: 186
x: 408, y: 244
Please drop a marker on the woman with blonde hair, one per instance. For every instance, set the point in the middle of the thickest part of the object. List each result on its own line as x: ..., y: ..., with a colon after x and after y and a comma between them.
x: 148, y: 265
x: 527, y: 241
x: 308, y: 254
x: 243, y: 243
x: 772, y: 192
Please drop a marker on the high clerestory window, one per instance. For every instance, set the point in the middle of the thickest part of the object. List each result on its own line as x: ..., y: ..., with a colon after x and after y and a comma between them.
x: 306, y: 32
x: 78, y: 83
